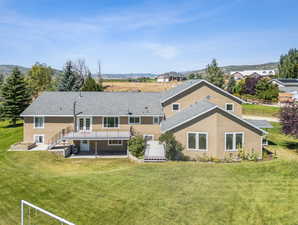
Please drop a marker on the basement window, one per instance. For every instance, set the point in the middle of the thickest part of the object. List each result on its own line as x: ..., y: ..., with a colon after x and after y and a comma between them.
x: 175, y: 107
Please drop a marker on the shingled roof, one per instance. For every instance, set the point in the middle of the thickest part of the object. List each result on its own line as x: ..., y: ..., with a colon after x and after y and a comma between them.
x: 95, y: 104
x: 171, y: 93
x: 194, y: 111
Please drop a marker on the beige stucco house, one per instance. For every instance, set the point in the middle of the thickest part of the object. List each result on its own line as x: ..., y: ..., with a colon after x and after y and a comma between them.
x: 205, y: 119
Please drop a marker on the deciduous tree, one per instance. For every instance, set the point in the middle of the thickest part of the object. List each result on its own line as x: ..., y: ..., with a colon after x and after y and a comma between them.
x: 39, y: 78
x: 289, y: 119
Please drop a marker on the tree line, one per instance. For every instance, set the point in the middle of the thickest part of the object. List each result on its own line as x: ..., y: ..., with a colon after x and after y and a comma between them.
x: 17, y: 90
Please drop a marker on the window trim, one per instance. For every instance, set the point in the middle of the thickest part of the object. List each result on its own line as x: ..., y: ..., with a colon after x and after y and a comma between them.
x: 197, y: 141
x: 234, y: 141
x: 43, y: 121
x: 176, y: 103
x: 134, y: 117
x: 233, y: 107
x: 109, y: 144
x: 84, y: 125
x: 153, y: 122
x: 103, y: 122
x: 36, y: 135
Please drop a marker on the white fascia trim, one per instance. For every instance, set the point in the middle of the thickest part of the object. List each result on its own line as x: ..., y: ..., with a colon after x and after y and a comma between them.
x: 233, y: 115
x: 207, y: 82
x: 91, y: 115
x: 190, y: 119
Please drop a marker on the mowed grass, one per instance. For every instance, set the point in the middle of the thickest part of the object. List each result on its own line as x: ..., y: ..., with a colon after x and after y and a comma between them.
x: 260, y: 110
x: 120, y: 192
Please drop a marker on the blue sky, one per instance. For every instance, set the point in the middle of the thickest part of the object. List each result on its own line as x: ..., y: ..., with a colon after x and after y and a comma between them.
x: 146, y: 36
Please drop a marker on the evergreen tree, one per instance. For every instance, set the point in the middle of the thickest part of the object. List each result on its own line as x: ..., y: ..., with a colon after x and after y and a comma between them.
x: 288, y: 64
x: 265, y: 90
x: 231, y: 85
x: 39, y: 78
x: 214, y: 74
x: 1, y: 79
x: 70, y: 80
x: 16, y: 97
x: 91, y: 85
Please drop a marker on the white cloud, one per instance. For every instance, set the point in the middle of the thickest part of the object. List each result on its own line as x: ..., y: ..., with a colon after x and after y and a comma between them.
x: 163, y: 51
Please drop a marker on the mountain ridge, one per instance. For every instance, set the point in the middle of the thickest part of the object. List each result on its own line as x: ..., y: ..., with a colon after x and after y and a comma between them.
x: 7, y: 68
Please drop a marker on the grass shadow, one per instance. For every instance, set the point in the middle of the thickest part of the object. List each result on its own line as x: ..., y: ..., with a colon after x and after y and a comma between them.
x: 13, y: 126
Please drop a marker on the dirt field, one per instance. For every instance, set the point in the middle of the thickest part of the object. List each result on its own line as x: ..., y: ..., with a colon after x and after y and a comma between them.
x: 138, y: 86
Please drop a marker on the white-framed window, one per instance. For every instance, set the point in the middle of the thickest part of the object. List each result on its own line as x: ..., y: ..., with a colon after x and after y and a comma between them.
x: 115, y: 142
x: 176, y: 107
x: 84, y: 124
x: 229, y: 107
x: 38, y: 122
x: 234, y: 141
x: 148, y: 137
x: 197, y: 141
x: 111, y: 122
x: 134, y: 120
x: 156, y: 120
x: 38, y: 138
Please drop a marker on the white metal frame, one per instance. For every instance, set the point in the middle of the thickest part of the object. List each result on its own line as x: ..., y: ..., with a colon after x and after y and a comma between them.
x: 36, y: 135
x: 43, y: 121
x: 109, y: 144
x: 233, y: 107
x: 153, y: 119
x: 84, y: 125
x: 149, y: 135
x: 197, y: 142
x: 103, y: 122
x: 23, y: 202
x: 134, y: 122
x: 234, y: 141
x: 176, y: 103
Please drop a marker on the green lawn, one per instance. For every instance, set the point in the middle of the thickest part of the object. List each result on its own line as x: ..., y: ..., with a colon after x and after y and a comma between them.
x: 260, y: 110
x: 119, y: 192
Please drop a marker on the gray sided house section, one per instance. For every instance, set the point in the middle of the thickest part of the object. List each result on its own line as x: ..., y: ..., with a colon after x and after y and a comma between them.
x: 96, y: 103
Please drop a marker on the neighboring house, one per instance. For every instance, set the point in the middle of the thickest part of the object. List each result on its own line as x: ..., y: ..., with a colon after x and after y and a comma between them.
x: 205, y: 119
x: 288, y: 90
x: 171, y: 76
x: 238, y: 75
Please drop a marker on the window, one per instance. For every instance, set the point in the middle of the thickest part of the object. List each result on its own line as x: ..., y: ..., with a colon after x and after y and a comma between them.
x: 175, y: 107
x: 198, y: 141
x: 111, y: 122
x: 115, y: 142
x: 39, y: 139
x: 84, y: 124
x: 233, y: 141
x: 38, y: 122
x: 156, y: 120
x: 230, y: 107
x: 134, y: 120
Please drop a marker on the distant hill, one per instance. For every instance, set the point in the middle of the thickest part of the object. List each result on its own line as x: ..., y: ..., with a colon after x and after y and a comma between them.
x: 7, y: 69
x: 228, y: 69
x: 128, y: 75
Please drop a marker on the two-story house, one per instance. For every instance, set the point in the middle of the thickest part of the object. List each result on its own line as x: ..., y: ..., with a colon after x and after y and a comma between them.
x: 205, y: 119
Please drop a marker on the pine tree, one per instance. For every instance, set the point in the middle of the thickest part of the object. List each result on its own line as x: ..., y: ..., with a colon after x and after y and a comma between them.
x: 214, y: 74
x: 16, y: 96
x: 288, y: 65
x: 91, y: 85
x: 231, y: 85
x: 71, y: 80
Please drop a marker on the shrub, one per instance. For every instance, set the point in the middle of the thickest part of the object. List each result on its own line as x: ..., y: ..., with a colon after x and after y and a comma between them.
x: 173, y: 148
x: 136, y: 146
x: 289, y: 119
